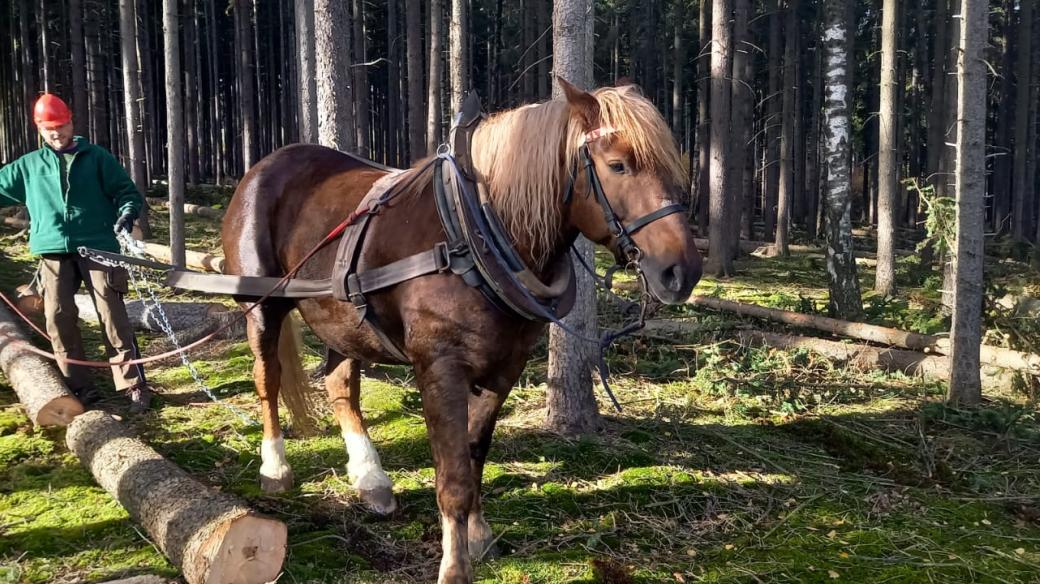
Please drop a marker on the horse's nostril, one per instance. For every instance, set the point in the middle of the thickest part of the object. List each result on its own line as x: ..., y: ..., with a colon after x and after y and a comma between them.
x: 672, y: 278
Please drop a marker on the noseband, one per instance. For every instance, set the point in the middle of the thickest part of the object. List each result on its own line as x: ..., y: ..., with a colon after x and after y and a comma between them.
x: 622, y: 234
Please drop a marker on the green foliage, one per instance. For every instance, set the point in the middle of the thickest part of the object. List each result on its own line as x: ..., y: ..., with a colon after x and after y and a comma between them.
x: 940, y: 218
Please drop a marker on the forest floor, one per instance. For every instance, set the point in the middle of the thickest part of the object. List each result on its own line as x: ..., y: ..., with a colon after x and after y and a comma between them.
x: 728, y: 463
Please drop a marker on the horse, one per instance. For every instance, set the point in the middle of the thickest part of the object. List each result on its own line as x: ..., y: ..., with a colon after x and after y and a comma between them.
x: 466, y: 352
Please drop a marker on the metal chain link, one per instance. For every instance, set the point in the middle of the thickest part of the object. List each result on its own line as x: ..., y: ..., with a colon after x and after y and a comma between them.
x: 152, y: 305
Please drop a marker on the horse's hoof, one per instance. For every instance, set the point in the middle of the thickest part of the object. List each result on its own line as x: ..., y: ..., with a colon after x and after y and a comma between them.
x: 379, y: 500
x: 273, y: 485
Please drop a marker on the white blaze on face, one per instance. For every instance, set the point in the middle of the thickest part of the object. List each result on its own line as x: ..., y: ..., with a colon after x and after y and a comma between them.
x: 272, y: 455
x: 363, y: 465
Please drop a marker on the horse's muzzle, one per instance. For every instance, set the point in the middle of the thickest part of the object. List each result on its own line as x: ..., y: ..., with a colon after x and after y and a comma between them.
x: 672, y: 284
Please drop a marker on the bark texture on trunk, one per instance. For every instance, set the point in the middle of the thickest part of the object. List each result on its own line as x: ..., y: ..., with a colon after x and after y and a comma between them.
x: 37, y: 381
x: 306, y: 81
x: 787, y: 137
x: 888, y: 179
x: 174, y: 128
x: 132, y: 94
x: 845, y: 300
x: 570, y: 402
x: 416, y: 129
x: 1022, y: 189
x: 966, y: 332
x: 433, y: 100
x: 211, y: 536
x: 773, y: 123
x: 80, y: 113
x: 704, y: 117
x: 246, y: 82
x: 331, y: 50
x: 459, y: 62
x: 720, y: 260
x: 360, y: 89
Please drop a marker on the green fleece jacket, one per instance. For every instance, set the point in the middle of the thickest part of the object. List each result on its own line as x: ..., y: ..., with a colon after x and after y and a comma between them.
x: 73, y: 210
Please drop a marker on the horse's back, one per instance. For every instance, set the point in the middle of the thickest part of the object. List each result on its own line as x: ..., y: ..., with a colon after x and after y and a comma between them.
x: 289, y: 196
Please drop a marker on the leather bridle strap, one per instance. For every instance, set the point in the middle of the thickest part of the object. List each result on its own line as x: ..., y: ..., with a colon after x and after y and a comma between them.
x: 649, y: 218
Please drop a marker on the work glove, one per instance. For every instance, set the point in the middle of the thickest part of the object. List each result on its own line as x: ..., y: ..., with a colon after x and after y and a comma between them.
x: 125, y: 223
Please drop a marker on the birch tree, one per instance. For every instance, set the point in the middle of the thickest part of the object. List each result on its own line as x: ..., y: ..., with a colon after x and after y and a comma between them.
x: 845, y: 301
x: 966, y: 332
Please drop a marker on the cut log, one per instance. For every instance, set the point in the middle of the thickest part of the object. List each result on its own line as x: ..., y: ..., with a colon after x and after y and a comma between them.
x: 36, y: 381
x: 195, y: 259
x: 16, y: 222
x: 855, y: 355
x: 212, y: 536
x: 190, y: 209
x: 181, y: 315
x: 994, y: 356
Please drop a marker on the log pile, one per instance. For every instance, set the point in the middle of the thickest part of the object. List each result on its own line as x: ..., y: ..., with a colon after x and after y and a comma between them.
x: 212, y: 536
x: 189, y: 208
x: 36, y: 381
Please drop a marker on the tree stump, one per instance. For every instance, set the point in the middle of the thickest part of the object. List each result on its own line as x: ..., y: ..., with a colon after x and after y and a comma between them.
x: 212, y: 536
x: 39, y: 385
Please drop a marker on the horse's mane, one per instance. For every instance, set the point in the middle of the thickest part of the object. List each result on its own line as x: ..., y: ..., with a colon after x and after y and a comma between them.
x: 524, y: 156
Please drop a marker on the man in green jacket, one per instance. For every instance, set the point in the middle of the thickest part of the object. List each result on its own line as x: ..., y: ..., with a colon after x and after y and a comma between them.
x: 77, y: 195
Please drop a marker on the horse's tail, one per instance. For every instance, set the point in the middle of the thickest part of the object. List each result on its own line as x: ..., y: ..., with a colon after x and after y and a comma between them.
x: 295, y: 390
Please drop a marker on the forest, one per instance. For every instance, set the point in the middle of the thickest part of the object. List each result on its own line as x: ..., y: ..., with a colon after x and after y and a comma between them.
x: 849, y: 393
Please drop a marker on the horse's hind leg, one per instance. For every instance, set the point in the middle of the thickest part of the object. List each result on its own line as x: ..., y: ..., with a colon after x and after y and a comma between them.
x: 343, y: 382
x: 263, y: 328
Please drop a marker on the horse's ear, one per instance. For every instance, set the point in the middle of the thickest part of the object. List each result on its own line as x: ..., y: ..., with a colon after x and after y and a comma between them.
x: 583, y: 105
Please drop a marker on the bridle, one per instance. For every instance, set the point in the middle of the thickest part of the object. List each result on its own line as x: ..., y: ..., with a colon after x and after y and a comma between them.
x: 621, y: 233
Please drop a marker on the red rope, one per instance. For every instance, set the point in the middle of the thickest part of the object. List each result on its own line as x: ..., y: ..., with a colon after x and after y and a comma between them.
x: 336, y: 232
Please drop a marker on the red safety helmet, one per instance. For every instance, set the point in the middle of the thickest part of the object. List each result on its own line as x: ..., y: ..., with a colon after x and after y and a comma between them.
x: 51, y: 112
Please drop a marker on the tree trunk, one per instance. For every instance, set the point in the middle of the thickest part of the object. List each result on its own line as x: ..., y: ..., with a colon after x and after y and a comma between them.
x: 773, y: 123
x: 174, y: 128
x: 460, y: 63
x: 888, y: 171
x: 305, y: 71
x: 393, y: 84
x: 966, y: 332
x: 812, y: 150
x: 79, y: 66
x: 433, y: 100
x: 570, y: 403
x: 1002, y: 168
x: 246, y: 81
x: 845, y: 301
x: 363, y: 114
x: 704, y: 117
x: 679, y: 61
x: 1023, y: 190
x: 97, y: 75
x: 937, y: 108
x: 541, y: 31
x: 191, y: 88
x: 132, y: 98
x: 211, y: 536
x: 787, y: 137
x: 416, y: 130
x: 35, y: 380
x: 331, y: 45
x: 720, y: 261
x: 740, y: 126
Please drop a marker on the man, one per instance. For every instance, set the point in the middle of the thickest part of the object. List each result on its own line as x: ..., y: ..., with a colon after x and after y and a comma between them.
x: 77, y: 195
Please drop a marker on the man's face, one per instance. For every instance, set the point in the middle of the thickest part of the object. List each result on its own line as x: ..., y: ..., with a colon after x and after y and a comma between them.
x: 58, y: 138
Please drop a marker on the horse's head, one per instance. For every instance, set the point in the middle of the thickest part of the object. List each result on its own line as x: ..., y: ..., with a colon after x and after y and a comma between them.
x: 623, y: 138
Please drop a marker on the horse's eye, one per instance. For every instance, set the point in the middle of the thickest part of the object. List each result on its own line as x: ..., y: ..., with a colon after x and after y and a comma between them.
x: 617, y: 167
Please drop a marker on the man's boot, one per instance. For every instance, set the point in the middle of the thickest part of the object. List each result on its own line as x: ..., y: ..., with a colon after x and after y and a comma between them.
x: 140, y: 398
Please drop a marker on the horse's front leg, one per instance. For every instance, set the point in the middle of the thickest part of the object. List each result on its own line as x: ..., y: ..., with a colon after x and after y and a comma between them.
x: 445, y: 387
x: 343, y: 383
x: 483, y: 412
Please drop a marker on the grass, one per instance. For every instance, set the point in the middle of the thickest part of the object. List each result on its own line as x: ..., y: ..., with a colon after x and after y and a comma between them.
x: 728, y: 464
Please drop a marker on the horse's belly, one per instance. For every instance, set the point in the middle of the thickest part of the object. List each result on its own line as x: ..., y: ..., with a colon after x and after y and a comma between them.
x: 336, y: 323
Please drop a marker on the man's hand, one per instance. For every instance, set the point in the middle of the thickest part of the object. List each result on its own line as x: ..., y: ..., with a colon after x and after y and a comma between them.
x: 124, y: 223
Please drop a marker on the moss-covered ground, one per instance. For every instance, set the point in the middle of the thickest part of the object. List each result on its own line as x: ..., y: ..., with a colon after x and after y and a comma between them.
x: 728, y: 464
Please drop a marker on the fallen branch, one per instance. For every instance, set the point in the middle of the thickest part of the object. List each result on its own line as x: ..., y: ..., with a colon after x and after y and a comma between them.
x: 190, y: 209
x: 995, y: 356
x: 212, y: 536
x: 194, y: 259
x: 36, y: 381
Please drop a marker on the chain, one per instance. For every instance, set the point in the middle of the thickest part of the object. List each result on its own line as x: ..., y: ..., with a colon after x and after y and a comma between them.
x: 152, y: 305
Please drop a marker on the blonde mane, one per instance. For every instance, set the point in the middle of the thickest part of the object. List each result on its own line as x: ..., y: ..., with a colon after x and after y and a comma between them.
x: 523, y: 157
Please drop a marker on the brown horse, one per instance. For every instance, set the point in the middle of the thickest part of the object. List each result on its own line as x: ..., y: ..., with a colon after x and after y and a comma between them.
x: 467, y: 354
